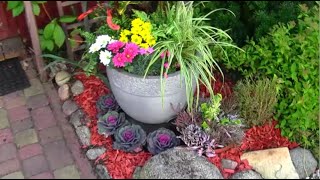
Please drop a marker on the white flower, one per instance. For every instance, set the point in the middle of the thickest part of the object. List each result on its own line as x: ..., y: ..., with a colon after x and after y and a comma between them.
x: 105, y: 57
x: 94, y: 48
x: 103, y: 40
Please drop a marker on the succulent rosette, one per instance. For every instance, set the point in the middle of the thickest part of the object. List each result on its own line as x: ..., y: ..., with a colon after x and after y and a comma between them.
x: 108, y: 123
x: 129, y: 138
x: 106, y: 103
x: 161, y: 140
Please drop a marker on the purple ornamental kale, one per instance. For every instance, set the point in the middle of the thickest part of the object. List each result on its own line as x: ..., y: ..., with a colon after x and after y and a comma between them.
x: 129, y: 138
x: 106, y: 103
x: 108, y: 123
x: 161, y: 140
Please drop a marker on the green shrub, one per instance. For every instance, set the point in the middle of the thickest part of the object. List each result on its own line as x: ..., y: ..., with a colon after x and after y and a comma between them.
x: 291, y: 52
x: 252, y: 19
x: 257, y: 100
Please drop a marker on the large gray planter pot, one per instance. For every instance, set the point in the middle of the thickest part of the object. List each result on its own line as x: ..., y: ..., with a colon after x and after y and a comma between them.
x: 141, y: 97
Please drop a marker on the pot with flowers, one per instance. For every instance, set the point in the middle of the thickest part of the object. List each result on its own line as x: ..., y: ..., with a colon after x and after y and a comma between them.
x: 156, y: 61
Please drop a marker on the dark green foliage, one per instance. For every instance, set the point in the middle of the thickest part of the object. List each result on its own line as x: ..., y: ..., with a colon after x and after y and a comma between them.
x: 291, y: 52
x: 253, y: 18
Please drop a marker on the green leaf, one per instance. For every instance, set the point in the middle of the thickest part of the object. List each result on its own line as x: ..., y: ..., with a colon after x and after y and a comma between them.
x: 59, y: 36
x: 18, y: 10
x: 49, y: 44
x: 67, y: 19
x: 48, y: 30
x: 35, y: 9
x: 141, y: 14
x: 13, y: 4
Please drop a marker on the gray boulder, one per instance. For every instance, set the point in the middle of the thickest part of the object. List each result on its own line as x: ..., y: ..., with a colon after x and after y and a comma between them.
x: 246, y: 175
x: 303, y: 161
x: 178, y: 164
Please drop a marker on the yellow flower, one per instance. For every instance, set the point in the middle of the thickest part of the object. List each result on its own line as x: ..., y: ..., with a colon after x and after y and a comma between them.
x: 136, y: 39
x: 147, y: 26
x: 126, y: 32
x: 136, y: 22
x: 144, y: 34
x: 124, y: 39
x: 144, y: 45
x: 151, y: 40
x: 136, y: 30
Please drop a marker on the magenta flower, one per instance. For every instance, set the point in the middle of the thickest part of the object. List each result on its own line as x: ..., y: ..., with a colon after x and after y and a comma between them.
x: 132, y: 49
x: 119, y: 60
x: 115, y: 46
x: 166, y: 65
x: 128, y: 55
x: 143, y: 51
x: 165, y: 53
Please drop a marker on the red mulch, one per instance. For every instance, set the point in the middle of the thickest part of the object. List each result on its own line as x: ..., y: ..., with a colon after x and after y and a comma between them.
x: 121, y: 165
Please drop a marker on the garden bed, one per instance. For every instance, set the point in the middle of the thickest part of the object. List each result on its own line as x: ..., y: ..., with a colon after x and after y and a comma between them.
x: 119, y: 164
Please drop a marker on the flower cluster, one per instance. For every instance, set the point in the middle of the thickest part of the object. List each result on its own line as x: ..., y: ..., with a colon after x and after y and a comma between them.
x: 101, y: 43
x: 140, y: 34
x: 126, y: 52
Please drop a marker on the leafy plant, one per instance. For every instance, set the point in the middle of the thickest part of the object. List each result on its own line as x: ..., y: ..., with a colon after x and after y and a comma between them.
x: 198, y: 140
x: 290, y: 52
x: 129, y: 138
x: 161, y: 140
x: 17, y: 7
x: 53, y: 36
x: 188, y: 42
x: 211, y: 110
x: 110, y: 122
x: 257, y: 100
x: 106, y: 103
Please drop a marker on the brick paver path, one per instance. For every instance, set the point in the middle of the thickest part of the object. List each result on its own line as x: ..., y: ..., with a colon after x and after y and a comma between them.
x: 36, y: 139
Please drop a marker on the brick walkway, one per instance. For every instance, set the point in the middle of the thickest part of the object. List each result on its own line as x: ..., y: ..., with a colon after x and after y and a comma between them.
x: 36, y: 139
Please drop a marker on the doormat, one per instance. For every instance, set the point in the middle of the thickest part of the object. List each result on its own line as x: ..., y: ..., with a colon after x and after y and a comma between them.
x: 12, y: 77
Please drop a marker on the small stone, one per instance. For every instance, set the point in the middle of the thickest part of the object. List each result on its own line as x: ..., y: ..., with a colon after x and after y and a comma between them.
x: 77, y: 88
x: 229, y: 164
x: 180, y: 164
x: 62, y: 78
x: 102, y: 172
x: 272, y: 163
x: 246, y: 175
x: 83, y: 133
x: 76, y: 118
x: 94, y: 153
x: 63, y: 92
x: 303, y: 161
x: 69, y: 107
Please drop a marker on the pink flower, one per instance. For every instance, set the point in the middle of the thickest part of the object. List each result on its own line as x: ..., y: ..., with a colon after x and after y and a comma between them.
x: 115, y: 46
x: 128, y: 55
x: 132, y: 48
x: 165, y: 75
x: 119, y: 60
x: 143, y: 51
x: 165, y: 53
x: 166, y: 65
